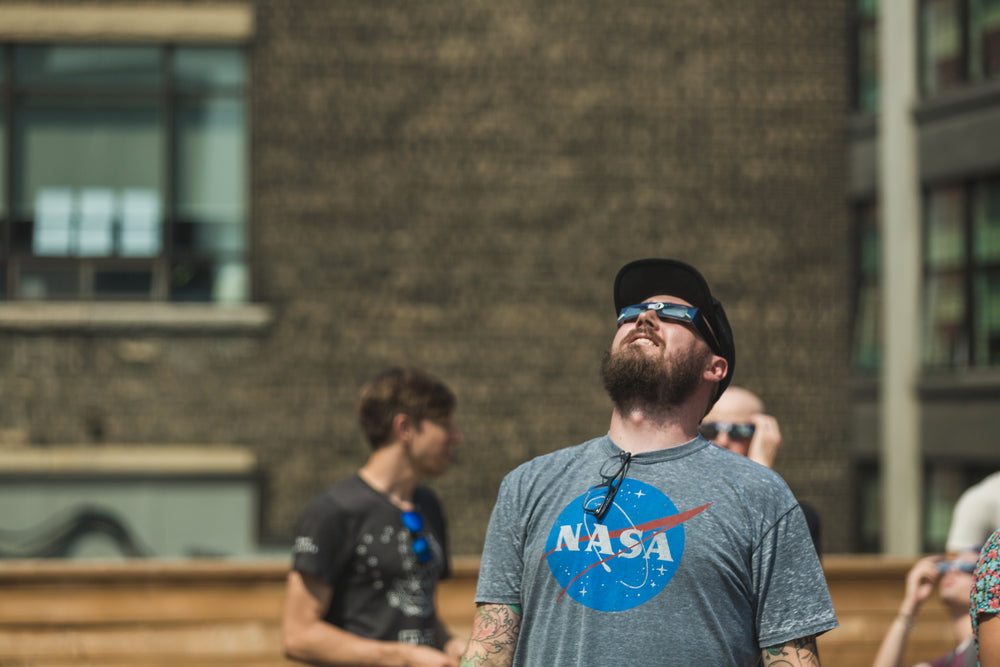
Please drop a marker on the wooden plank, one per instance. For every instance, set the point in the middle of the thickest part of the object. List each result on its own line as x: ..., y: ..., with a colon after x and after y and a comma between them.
x: 163, y: 641
x: 41, y: 606
x: 152, y: 661
x: 128, y: 572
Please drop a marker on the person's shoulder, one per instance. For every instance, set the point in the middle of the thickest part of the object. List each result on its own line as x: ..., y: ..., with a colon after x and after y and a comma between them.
x: 985, y: 488
x: 556, y: 460
x: 993, y: 542
x: 338, y: 493
x: 748, y: 476
x: 737, y: 461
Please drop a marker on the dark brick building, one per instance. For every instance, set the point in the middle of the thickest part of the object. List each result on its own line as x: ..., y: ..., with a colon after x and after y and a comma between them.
x: 454, y: 185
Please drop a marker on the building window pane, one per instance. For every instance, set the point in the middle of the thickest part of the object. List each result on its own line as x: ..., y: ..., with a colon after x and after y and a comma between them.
x: 210, y: 68
x: 102, y: 135
x: 82, y: 206
x: 123, y: 284
x: 986, y: 221
x: 987, y: 317
x: 945, y: 337
x: 107, y: 67
x: 192, y: 280
x: 211, y: 191
x: 942, y: 45
x: 868, y: 56
x: 986, y: 295
x: 943, y: 483
x: 984, y: 37
x: 58, y: 283
x: 867, y: 327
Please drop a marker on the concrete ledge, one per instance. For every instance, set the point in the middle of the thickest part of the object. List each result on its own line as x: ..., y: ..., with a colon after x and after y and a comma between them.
x: 100, y: 317
x: 98, y: 22
x: 145, y: 460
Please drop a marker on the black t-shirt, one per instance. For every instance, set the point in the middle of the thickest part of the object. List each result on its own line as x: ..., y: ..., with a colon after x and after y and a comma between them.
x: 353, y: 538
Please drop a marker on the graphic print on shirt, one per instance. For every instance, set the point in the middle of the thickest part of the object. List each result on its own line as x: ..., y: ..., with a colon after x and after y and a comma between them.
x: 624, y: 560
x: 412, y: 594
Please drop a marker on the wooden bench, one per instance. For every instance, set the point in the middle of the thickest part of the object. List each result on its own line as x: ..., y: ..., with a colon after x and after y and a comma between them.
x: 198, y: 613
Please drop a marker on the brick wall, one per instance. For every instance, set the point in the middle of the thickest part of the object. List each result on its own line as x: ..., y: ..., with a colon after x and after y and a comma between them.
x: 454, y: 185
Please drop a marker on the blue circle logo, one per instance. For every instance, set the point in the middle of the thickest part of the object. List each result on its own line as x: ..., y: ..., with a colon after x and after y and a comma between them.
x: 624, y: 560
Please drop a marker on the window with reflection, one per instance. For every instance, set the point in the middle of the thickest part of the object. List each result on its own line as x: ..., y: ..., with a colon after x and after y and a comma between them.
x: 943, y: 483
x: 946, y: 340
x: 986, y: 272
x: 959, y: 43
x: 941, y: 30
x: 129, y: 173
x: 961, y: 305
x: 984, y: 38
x: 866, y: 347
x: 867, y: 55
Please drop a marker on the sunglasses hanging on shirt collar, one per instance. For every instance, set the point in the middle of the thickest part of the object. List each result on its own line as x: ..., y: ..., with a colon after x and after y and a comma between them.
x: 415, y: 524
x: 613, y: 473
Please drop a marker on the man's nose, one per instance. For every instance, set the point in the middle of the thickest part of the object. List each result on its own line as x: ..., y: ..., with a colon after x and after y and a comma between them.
x: 647, y: 317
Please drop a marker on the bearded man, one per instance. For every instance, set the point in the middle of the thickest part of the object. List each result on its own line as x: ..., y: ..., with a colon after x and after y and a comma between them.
x: 649, y: 545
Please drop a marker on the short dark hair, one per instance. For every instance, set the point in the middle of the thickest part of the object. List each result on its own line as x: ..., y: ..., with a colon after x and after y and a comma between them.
x: 401, y: 390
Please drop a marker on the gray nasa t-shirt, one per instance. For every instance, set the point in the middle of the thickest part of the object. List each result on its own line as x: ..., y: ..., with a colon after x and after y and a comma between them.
x: 704, y: 558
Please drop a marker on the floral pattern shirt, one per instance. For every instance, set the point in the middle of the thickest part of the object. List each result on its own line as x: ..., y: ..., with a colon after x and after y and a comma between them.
x: 986, y: 588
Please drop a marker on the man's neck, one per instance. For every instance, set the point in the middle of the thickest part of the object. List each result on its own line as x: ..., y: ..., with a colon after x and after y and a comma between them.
x: 388, y: 471
x: 643, y: 430
x: 961, y: 624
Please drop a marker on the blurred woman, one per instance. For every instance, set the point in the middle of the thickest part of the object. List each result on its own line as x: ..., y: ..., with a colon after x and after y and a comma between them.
x: 986, y: 603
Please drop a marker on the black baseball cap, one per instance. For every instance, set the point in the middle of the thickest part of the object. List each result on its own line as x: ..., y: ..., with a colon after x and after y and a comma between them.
x: 643, y: 278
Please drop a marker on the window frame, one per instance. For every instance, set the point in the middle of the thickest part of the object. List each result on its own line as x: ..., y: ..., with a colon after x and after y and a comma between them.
x: 970, y: 266
x: 167, y: 98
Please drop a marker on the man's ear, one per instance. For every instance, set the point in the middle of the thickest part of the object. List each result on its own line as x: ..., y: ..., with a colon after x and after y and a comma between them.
x: 717, y: 369
x: 402, y: 428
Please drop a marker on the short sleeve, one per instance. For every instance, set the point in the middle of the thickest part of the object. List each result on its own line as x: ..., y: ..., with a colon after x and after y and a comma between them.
x: 986, y: 588
x: 792, y: 596
x: 501, y: 565
x: 317, y: 549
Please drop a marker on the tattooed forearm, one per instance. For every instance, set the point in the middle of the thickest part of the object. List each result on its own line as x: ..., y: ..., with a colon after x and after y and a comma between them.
x: 494, y: 636
x: 796, y: 653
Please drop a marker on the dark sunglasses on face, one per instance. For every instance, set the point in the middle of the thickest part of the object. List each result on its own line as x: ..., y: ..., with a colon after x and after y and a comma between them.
x: 415, y: 524
x: 711, y: 430
x: 961, y: 565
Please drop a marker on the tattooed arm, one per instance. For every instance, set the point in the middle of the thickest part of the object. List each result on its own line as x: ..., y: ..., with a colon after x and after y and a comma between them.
x: 795, y: 653
x: 494, y: 636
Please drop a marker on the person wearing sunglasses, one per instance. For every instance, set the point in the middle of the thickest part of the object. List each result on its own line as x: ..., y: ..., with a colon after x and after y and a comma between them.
x: 984, y: 610
x: 370, y: 549
x: 952, y: 576
x: 649, y: 545
x: 738, y: 422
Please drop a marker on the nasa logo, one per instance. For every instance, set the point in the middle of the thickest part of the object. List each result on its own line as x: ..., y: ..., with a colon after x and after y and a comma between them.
x: 625, y: 560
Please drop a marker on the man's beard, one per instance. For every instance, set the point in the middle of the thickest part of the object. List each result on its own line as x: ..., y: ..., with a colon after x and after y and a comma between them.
x: 637, y: 380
